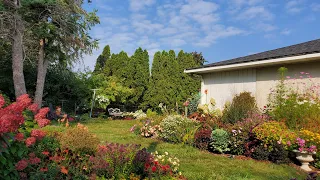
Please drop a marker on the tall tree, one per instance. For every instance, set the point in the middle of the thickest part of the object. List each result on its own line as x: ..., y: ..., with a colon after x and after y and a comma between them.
x: 188, y: 84
x: 61, y: 28
x: 12, y: 26
x: 102, y: 59
x: 116, y: 65
x: 138, y: 75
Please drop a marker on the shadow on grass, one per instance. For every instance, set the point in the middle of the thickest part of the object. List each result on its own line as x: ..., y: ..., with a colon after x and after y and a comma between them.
x: 152, y: 146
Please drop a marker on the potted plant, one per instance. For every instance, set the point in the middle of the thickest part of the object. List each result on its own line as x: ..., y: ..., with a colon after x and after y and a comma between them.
x: 304, y: 152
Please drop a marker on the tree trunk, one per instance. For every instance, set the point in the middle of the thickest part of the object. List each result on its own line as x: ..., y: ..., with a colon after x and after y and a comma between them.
x: 41, y: 76
x: 17, y: 56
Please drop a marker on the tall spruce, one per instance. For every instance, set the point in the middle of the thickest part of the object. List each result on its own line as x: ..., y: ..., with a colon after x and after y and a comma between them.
x: 102, y: 59
x: 116, y: 65
x: 138, y: 76
x: 188, y: 84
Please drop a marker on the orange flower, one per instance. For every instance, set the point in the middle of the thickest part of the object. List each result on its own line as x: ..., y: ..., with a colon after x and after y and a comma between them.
x: 206, y: 91
x: 64, y: 170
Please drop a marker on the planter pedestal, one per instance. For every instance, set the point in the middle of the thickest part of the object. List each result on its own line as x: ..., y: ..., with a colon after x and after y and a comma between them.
x: 305, y: 158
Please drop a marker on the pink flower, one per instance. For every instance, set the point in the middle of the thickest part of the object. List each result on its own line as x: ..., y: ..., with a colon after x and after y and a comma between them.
x: 2, y: 101
x: 302, y: 72
x: 30, y: 141
x: 288, y: 143
x: 38, y: 134
x: 19, y: 137
x: 21, y: 165
x: 288, y: 77
x: 33, y: 107
x: 43, y: 122
x: 34, y: 160
x: 186, y: 103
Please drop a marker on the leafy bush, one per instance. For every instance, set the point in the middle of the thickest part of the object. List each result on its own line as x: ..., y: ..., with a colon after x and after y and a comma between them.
x: 278, y: 154
x: 141, y: 158
x: 220, y: 140
x: 177, y: 129
x: 114, y: 161
x: 193, y: 103
x: 240, y: 106
x: 202, y: 138
x: 79, y: 139
x: 270, y: 132
x: 237, y: 141
x: 260, y: 153
x: 296, y: 102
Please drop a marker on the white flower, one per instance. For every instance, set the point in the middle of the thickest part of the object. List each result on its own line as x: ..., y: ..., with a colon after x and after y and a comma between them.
x: 166, y: 153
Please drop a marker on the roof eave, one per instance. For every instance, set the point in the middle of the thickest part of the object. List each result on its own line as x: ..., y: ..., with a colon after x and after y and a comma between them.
x: 269, y: 62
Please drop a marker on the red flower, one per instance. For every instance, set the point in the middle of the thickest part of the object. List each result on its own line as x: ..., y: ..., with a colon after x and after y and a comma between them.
x: 42, y: 113
x: 19, y: 137
x: 46, y: 153
x: 154, y: 169
x: 2, y: 101
x: 38, y: 134
x: 34, y: 160
x: 33, y: 107
x: 43, y: 122
x: 44, y: 169
x: 21, y: 165
x: 30, y: 141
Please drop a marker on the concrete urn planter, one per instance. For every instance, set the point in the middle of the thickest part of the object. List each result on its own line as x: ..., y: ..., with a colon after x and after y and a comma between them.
x: 305, y: 158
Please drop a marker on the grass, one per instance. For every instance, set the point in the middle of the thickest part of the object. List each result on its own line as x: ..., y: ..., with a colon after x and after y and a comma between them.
x: 195, y: 164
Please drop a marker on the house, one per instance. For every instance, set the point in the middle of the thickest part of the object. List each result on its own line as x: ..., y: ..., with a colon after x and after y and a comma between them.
x: 257, y: 73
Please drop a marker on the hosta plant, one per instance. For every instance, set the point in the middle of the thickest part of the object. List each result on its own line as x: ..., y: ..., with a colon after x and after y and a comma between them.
x: 220, y: 141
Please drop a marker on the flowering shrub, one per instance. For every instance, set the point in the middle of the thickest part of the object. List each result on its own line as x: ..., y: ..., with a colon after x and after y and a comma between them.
x: 303, y: 146
x: 79, y: 139
x: 296, y: 101
x: 114, y: 160
x: 139, y: 114
x: 237, y: 141
x: 202, y: 138
x: 164, y: 163
x: 150, y: 131
x: 270, y: 132
x: 177, y: 129
x: 241, y: 105
x: 220, y: 140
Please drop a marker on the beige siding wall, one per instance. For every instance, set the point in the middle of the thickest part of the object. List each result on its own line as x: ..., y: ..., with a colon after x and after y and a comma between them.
x: 267, y: 78
x: 222, y: 86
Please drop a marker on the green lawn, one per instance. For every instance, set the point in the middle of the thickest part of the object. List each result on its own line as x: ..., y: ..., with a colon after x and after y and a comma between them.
x: 194, y: 164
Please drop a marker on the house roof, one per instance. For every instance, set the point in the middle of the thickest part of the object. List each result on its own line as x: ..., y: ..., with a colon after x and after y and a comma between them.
x: 310, y: 47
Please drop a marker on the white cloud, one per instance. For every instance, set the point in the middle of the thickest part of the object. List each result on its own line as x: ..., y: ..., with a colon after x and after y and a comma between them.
x: 254, y: 12
x: 264, y: 27
x: 286, y: 32
x: 294, y: 6
x: 218, y: 32
x: 137, y: 5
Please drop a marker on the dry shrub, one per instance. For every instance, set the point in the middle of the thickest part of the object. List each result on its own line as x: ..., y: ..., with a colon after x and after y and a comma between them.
x: 79, y: 139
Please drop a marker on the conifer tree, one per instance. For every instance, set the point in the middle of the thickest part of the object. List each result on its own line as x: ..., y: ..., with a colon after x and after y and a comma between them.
x: 102, y: 59
x: 138, y: 75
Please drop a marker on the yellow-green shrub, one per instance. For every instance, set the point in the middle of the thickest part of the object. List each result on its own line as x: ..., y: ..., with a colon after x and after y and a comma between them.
x: 79, y: 139
x: 309, y: 136
x: 273, y: 131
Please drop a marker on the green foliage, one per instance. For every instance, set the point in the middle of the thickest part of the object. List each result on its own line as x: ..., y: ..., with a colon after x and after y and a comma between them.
x: 278, y: 154
x: 296, y: 102
x: 11, y: 152
x: 168, y: 83
x: 260, y: 153
x: 48, y: 143
x: 193, y: 103
x: 220, y: 140
x: 102, y: 59
x: 138, y: 76
x: 270, y: 132
x: 241, y: 105
x: 176, y: 129
x: 79, y: 139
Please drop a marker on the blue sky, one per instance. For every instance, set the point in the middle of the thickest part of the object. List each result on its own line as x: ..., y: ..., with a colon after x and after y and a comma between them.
x: 220, y: 29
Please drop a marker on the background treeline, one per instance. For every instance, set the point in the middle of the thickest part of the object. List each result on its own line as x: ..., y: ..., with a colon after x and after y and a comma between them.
x: 136, y: 85
x: 127, y: 82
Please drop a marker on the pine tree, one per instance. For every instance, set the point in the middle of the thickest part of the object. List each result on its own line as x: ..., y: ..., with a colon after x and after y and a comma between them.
x: 102, y: 59
x: 138, y: 75
x: 189, y: 84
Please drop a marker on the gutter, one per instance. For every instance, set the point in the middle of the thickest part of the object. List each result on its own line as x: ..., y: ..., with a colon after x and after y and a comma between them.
x: 269, y: 62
